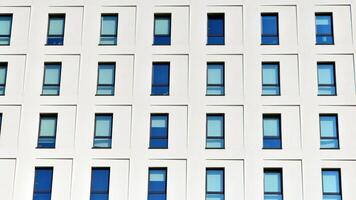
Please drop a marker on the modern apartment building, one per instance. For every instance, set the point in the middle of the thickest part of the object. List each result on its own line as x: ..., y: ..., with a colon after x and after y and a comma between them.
x: 177, y: 100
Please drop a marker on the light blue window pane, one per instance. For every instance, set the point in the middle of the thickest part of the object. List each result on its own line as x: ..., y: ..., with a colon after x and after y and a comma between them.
x: 215, y: 126
x: 105, y: 90
x: 215, y: 197
x: 271, y: 127
x: 215, y: 90
x: 3, y: 75
x: 5, y: 25
x: 326, y: 90
x: 215, y: 143
x: 52, y: 74
x: 106, y: 74
x: 215, y: 180
x: 273, y: 197
x: 108, y: 25
x: 102, y: 142
x: 328, y: 127
x: 270, y: 90
x: 215, y: 74
x: 331, y: 181
x: 56, y: 26
x: 157, y: 175
x: 162, y: 26
x: 159, y: 121
x: 48, y: 126
x: 329, y: 143
x: 326, y: 74
x: 50, y: 90
x: 103, y: 125
x: 331, y: 197
x: 272, y: 182
x: 270, y: 74
x: 4, y: 40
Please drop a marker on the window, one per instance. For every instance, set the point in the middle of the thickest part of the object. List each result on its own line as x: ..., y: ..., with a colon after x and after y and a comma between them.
x: 1, y: 117
x: 51, y: 79
x: 215, y: 189
x: 272, y: 131
x: 103, y: 131
x: 106, y: 79
x: 215, y: 76
x: 159, y: 131
x: 55, y: 34
x: 160, y: 79
x: 326, y: 79
x: 48, y: 129
x: 157, y: 184
x: 43, y: 183
x: 270, y: 32
x: 3, y: 73
x: 162, y: 29
x: 216, y: 29
x: 331, y: 184
x: 324, y: 28
x: 270, y: 79
x: 5, y: 29
x: 273, y: 184
x: 100, y: 181
x: 329, y: 136
x: 108, y: 29
x: 215, y: 133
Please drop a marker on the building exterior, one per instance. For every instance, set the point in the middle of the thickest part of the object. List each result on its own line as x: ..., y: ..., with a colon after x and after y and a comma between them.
x: 177, y: 100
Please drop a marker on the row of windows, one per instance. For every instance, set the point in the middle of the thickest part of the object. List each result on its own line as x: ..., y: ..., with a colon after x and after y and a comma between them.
x: 162, y: 29
x: 215, y: 131
x: 214, y: 188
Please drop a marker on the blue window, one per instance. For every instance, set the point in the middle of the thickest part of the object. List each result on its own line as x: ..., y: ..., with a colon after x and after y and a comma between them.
x: 108, y: 29
x: 55, y: 35
x: 215, y: 133
x: 324, y: 28
x: 216, y: 29
x: 103, y: 130
x: 157, y: 184
x: 51, y: 79
x: 326, y: 79
x: 270, y: 32
x: 106, y: 79
x: 215, y: 79
x: 3, y: 74
x: 215, y: 188
x: 272, y: 131
x: 273, y: 186
x: 331, y: 184
x: 162, y: 29
x: 5, y: 29
x: 47, y: 132
x: 160, y: 79
x: 329, y: 136
x: 100, y: 181
x: 159, y: 131
x: 43, y: 183
x: 270, y: 79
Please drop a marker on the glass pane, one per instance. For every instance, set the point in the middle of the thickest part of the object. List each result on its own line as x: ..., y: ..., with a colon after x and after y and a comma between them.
x: 106, y: 73
x: 331, y: 182
x: 102, y: 142
x: 270, y: 40
x: 272, y: 143
x: 215, y: 90
x: 50, y: 90
x: 42, y: 196
x: 4, y: 40
x: 56, y: 26
x: 215, y: 25
x: 43, y: 180
x: 100, y: 180
x: 216, y: 40
x: 215, y: 197
x: 215, y: 126
x: 161, y: 143
x: 160, y: 90
x: 273, y: 197
x: 103, y: 125
x: 215, y: 143
x: 269, y: 24
x: 215, y: 73
x: 270, y: 74
x: 326, y: 90
x: 105, y: 90
x: 45, y: 142
x: 52, y: 74
x: 162, y: 25
x: 3, y: 75
x: 271, y: 126
x: 272, y: 182
x: 108, y: 25
x: 160, y: 74
x: 48, y: 126
x: 99, y: 197
x: 326, y: 74
x: 157, y: 181
x: 331, y: 197
x: 2, y: 90
x: 270, y: 90
x: 329, y: 143
x: 108, y: 40
x: 159, y: 125
x: 328, y: 126
x: 5, y: 25
x: 215, y: 180
x: 323, y: 24
x: 324, y: 39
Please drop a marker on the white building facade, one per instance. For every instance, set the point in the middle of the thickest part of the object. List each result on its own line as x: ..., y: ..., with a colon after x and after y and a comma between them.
x: 269, y: 133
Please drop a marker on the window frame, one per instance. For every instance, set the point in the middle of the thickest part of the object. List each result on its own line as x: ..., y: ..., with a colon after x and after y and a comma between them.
x: 108, y: 183
x: 334, y: 76
x: 216, y: 15
x: 212, y: 85
x: 169, y: 35
x: 332, y: 34
x: 106, y: 85
x: 337, y: 137
x: 272, y: 116
x: 4, y: 65
x: 44, y: 77
x: 160, y: 138
x: 11, y: 15
x: 214, y: 137
x: 278, y: 79
x: 161, y: 85
x: 274, y: 14
x: 34, y: 182
x: 274, y: 170
x: 58, y: 16
x: 47, y: 115
x: 103, y: 137
x: 166, y: 180
x: 206, y: 181
x: 108, y: 35
x: 340, y: 181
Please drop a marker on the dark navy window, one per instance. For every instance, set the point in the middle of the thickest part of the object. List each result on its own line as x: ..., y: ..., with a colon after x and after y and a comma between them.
x: 100, y: 181
x: 215, y: 79
x: 159, y: 131
x: 324, y: 28
x: 157, y: 184
x: 162, y: 29
x: 3, y: 74
x: 216, y: 28
x: 160, y: 79
x: 108, y: 29
x: 273, y: 184
x: 55, y: 35
x: 331, y: 184
x: 5, y: 29
x: 43, y: 183
x: 215, y: 188
x: 51, y: 79
x: 329, y: 136
x: 272, y: 131
x: 270, y: 79
x: 270, y: 32
x: 103, y: 131
x: 215, y: 131
x: 106, y: 79
x: 47, y: 132
x: 326, y: 79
